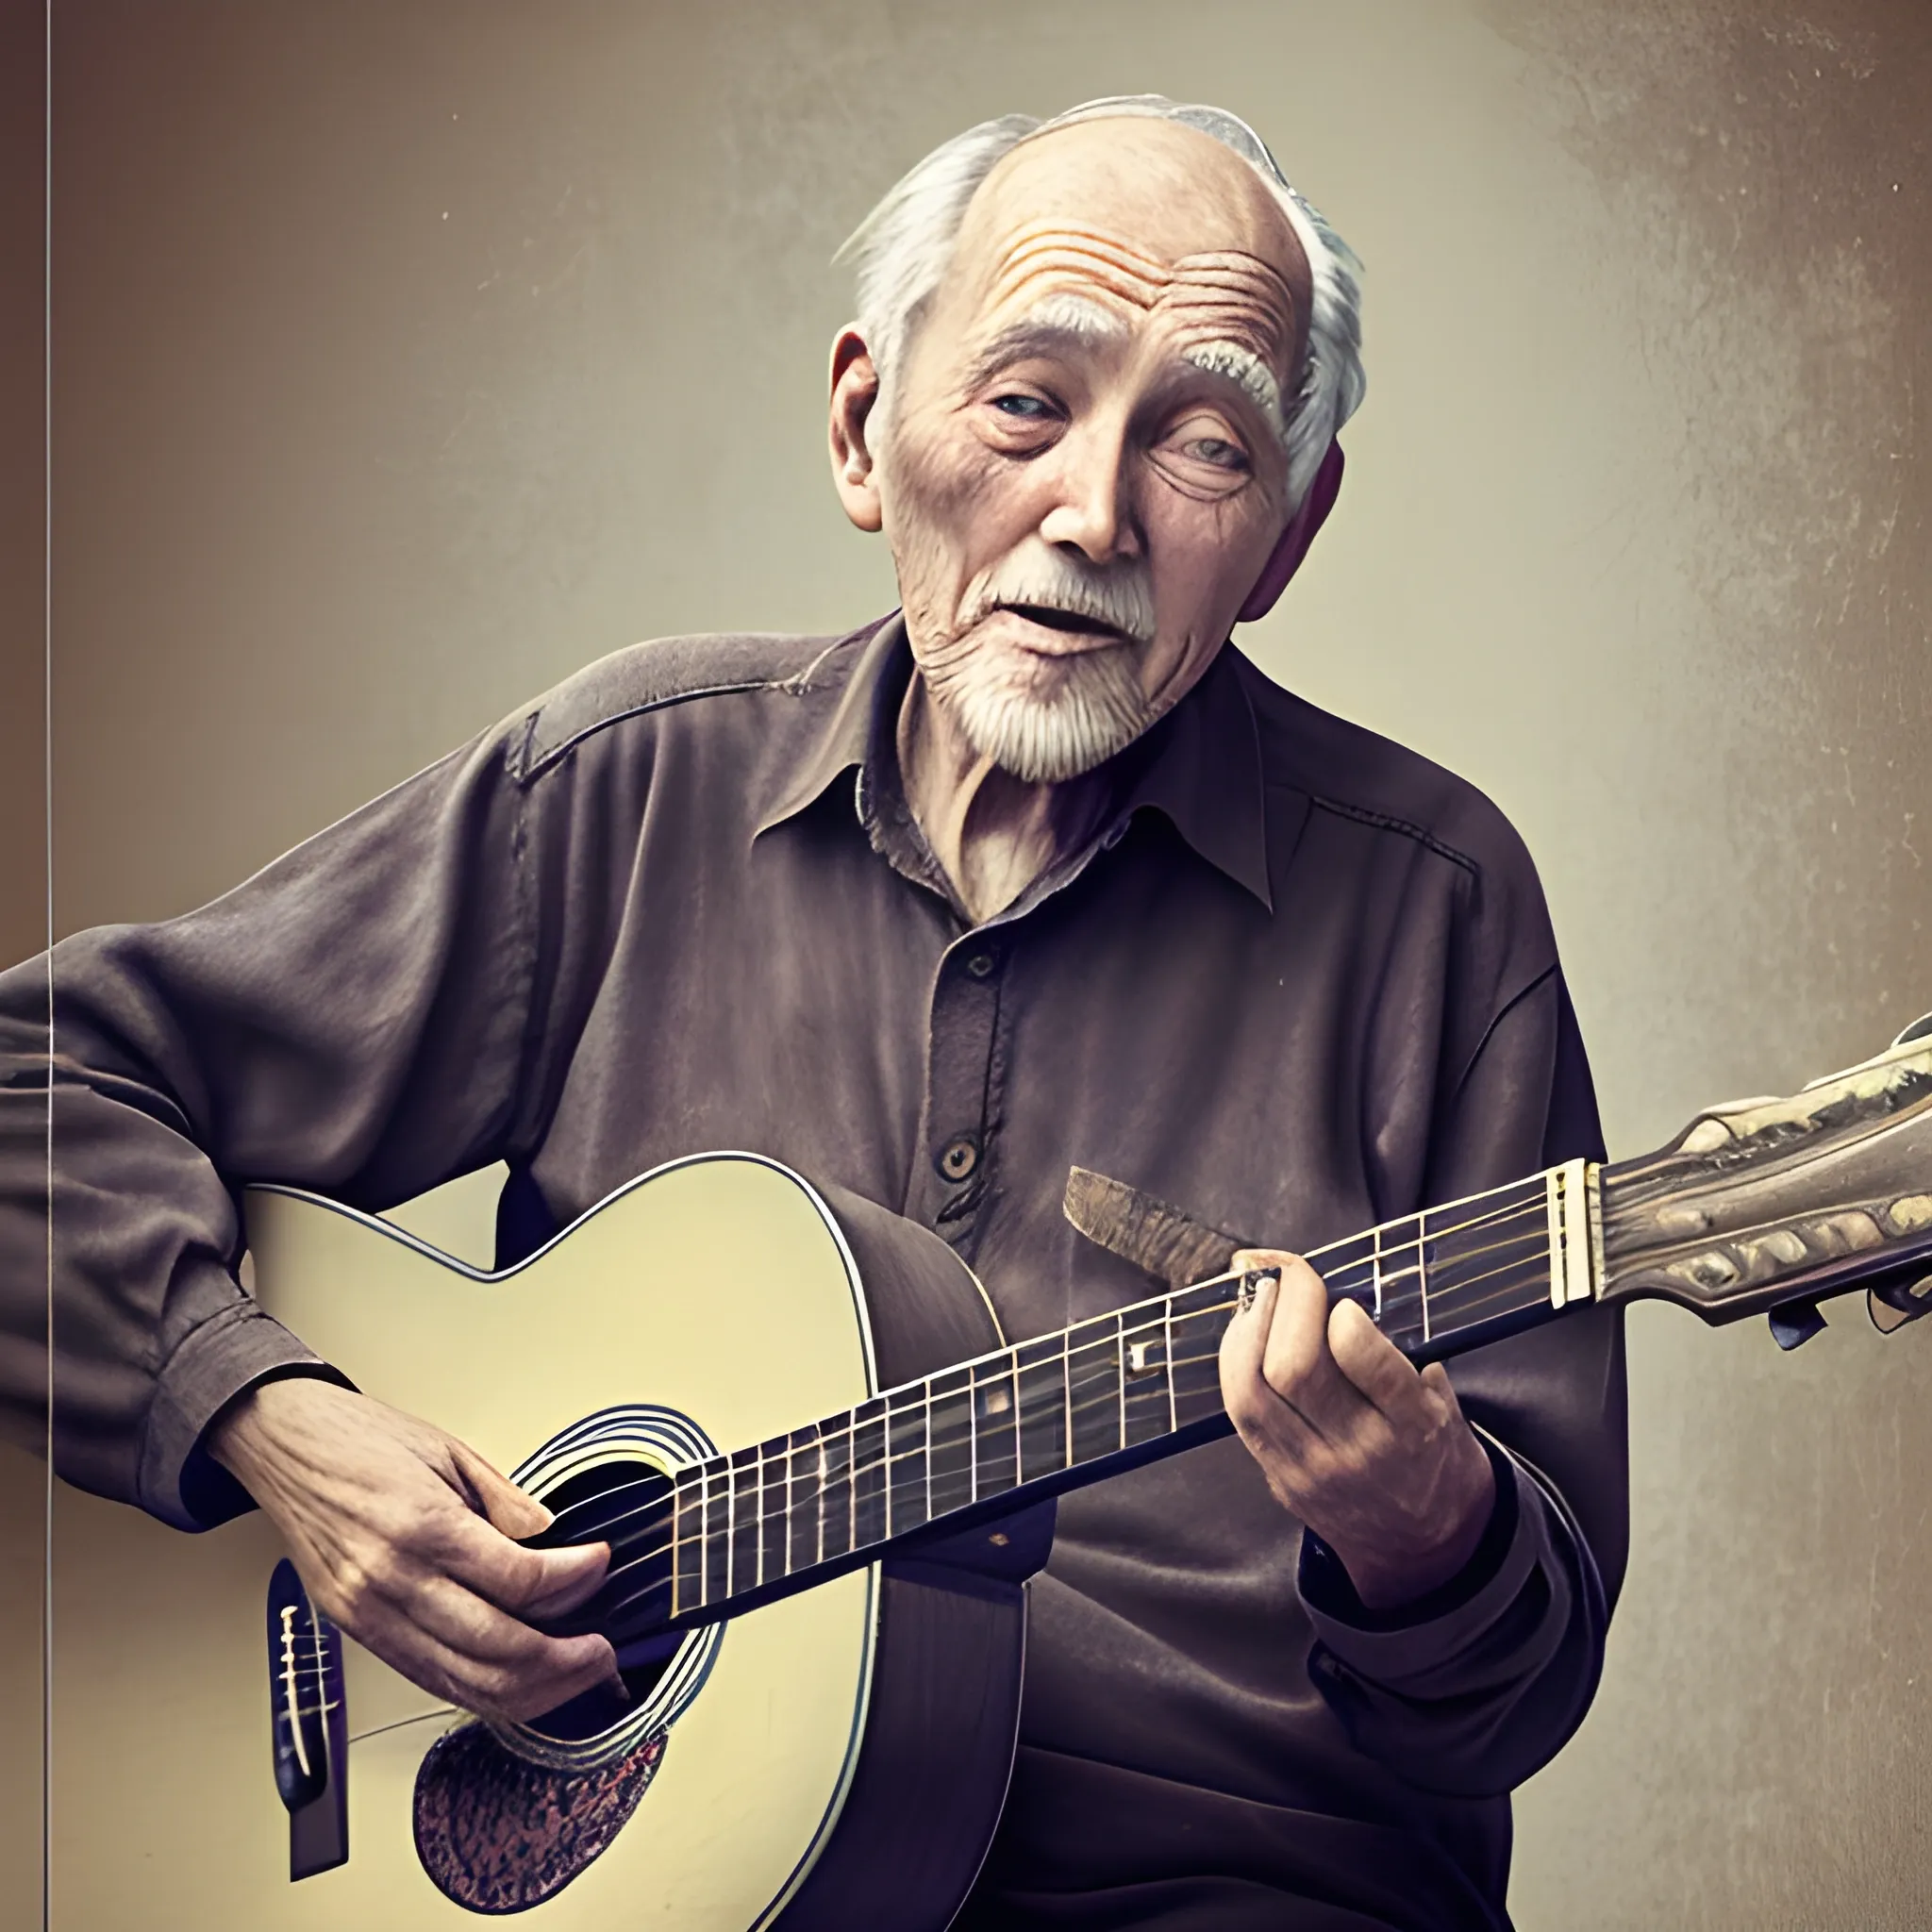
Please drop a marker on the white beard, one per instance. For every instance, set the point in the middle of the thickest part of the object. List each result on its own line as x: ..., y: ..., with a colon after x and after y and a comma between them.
x: 1095, y: 709
x: 1048, y: 719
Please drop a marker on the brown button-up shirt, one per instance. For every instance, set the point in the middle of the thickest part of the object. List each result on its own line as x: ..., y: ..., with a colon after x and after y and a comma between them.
x: 1299, y: 980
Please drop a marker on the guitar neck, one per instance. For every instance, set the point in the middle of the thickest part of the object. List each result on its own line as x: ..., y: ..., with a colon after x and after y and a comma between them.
x: 986, y: 1438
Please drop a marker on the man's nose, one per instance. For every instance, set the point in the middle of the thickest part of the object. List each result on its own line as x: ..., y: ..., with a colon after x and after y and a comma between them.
x: 1092, y: 511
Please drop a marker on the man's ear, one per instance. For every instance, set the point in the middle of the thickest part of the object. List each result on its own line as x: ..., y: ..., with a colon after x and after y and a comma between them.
x: 1285, y: 558
x: 855, y: 390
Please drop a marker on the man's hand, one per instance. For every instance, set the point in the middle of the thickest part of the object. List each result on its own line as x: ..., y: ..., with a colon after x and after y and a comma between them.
x: 401, y: 1535
x: 1374, y: 1457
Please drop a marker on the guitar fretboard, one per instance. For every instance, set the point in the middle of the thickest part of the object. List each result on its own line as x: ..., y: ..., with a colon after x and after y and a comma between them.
x: 1051, y: 1414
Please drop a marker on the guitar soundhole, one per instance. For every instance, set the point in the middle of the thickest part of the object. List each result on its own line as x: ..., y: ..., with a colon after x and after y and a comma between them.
x: 590, y: 1485
x: 602, y: 1709
x: 626, y: 1503
x: 605, y: 1479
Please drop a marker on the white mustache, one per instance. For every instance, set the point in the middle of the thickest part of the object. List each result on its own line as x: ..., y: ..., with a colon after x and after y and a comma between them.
x: 1119, y: 598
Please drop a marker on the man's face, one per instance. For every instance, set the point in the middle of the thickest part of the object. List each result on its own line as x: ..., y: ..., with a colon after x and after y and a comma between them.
x: 1083, y: 471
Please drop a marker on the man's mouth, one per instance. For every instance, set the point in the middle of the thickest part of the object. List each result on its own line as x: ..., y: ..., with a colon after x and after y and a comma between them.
x: 1071, y: 624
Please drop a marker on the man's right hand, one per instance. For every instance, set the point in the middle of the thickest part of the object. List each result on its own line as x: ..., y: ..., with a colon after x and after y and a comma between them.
x: 401, y: 1535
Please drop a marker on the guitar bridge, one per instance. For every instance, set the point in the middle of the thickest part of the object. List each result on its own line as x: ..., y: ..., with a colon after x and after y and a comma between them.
x: 311, y: 1725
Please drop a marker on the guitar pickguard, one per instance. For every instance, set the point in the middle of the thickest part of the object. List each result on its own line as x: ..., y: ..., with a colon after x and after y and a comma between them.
x: 498, y: 1834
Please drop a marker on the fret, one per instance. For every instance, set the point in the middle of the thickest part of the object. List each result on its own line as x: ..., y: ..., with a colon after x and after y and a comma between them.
x: 1042, y: 1407
x: 1093, y: 1390
x: 802, y: 1498
x: 688, y: 1545
x: 742, y: 1479
x: 1489, y: 1260
x: 835, y: 1488
x: 1146, y: 1391
x: 1352, y: 1271
x: 1200, y: 1317
x: 717, y: 1531
x: 949, y: 1447
x: 869, y: 1474
x: 907, y: 1483
x: 1577, y: 1230
x: 833, y: 1491
x: 774, y: 1501
x: 1167, y: 1360
x: 1405, y: 1311
x: 995, y: 1426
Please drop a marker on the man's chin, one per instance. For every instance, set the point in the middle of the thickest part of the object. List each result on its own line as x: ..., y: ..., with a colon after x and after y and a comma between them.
x: 1051, y: 744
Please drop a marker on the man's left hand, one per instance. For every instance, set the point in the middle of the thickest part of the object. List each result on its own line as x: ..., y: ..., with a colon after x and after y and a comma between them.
x: 1376, y: 1458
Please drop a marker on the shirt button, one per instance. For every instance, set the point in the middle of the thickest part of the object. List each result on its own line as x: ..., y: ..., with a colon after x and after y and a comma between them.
x: 980, y: 964
x: 959, y: 1157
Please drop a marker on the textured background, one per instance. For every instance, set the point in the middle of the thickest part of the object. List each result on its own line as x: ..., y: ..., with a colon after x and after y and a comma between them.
x: 409, y: 355
x: 23, y: 871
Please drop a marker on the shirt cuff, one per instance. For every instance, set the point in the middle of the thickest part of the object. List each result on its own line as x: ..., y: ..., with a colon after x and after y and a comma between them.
x: 1414, y: 1647
x: 235, y: 1350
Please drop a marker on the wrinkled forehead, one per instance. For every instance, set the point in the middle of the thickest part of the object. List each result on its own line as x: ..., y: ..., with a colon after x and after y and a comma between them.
x: 1128, y: 219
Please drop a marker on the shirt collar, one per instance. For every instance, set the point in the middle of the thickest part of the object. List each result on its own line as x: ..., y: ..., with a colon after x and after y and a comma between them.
x: 1200, y: 766
x: 845, y: 741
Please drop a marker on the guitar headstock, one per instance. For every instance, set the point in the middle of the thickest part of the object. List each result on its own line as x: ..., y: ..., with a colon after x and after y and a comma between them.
x: 1772, y: 1205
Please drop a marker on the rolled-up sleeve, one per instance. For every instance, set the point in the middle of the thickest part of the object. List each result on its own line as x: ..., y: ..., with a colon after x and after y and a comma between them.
x: 1469, y: 1691
x: 352, y: 1017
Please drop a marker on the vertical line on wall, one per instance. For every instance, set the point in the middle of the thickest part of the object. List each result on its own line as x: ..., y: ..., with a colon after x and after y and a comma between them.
x: 47, y: 861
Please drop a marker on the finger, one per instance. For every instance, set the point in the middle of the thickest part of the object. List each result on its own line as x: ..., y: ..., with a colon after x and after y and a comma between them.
x: 1260, y: 1261
x: 1264, y: 1418
x: 574, y: 1575
x: 1377, y: 1369
x: 494, y: 1497
x: 1294, y: 1456
x: 522, y: 1687
x: 472, y: 1626
x: 479, y: 1556
x: 463, y: 1623
x: 1296, y: 1363
x: 1438, y: 1390
x: 1244, y: 1394
x: 1249, y: 1393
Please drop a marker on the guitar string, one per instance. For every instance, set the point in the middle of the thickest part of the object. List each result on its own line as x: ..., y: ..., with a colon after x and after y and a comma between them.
x: 784, y: 1513
x: 1109, y: 1331
x: 1103, y: 1332
x: 403, y: 1723
x: 773, y: 1529
x: 1155, y: 1311
x: 775, y: 1453
x: 775, y: 1457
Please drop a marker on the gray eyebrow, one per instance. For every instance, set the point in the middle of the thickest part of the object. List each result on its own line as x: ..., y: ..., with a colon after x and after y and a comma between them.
x: 1246, y: 370
x: 1057, y: 324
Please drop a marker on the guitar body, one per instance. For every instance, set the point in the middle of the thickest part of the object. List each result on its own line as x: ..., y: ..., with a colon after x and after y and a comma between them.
x: 835, y: 1759
x: 822, y: 1501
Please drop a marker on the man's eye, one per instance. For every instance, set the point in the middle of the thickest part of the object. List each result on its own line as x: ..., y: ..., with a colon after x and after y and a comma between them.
x: 1028, y: 408
x: 1218, y: 451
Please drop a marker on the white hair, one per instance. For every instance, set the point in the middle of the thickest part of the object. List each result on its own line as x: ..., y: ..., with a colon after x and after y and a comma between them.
x: 900, y: 250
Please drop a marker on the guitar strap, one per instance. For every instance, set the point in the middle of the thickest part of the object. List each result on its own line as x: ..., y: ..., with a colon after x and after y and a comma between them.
x: 1151, y: 1234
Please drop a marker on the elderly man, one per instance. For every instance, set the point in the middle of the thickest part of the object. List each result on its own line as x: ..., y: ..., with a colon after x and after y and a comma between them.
x: 1099, y: 893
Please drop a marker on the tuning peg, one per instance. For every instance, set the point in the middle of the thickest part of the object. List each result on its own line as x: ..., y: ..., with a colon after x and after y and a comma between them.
x: 1890, y: 1309
x: 1795, y: 1323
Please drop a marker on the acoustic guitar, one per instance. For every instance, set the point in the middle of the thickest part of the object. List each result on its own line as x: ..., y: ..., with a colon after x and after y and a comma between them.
x: 826, y: 1483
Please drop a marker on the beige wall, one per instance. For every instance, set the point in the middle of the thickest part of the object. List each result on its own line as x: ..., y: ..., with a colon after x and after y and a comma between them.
x: 411, y: 355
x: 22, y: 870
